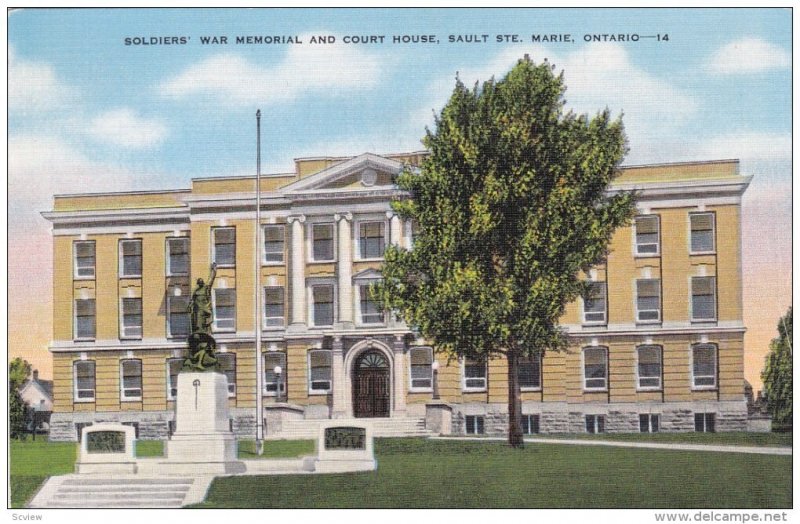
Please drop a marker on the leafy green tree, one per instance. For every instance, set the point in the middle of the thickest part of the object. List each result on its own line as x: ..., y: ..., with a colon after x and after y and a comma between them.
x: 777, y: 374
x: 18, y: 372
x: 510, y: 206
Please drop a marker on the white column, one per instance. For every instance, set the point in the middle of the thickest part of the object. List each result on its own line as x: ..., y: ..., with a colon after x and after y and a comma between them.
x: 407, y: 239
x: 339, y: 388
x: 298, y: 269
x: 398, y: 348
x: 345, y: 269
x: 394, y: 228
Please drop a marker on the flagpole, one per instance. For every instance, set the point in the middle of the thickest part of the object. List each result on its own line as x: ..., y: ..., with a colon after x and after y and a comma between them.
x: 257, y: 280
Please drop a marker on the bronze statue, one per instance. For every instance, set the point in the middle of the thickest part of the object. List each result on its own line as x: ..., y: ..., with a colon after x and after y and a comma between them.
x: 201, y: 314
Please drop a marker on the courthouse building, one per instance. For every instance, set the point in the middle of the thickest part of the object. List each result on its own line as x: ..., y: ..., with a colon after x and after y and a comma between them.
x: 657, y: 347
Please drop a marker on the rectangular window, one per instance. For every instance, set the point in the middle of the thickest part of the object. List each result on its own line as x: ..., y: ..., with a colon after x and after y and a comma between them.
x: 319, y: 366
x: 530, y: 424
x: 322, y: 242
x: 272, y: 380
x: 647, y: 235
x: 174, y: 366
x: 84, y: 380
x: 371, y: 311
x: 178, y: 316
x: 594, y: 304
x: 273, y: 306
x: 131, y: 318
x: 130, y: 379
x: 85, y: 315
x: 84, y: 258
x: 177, y: 256
x: 648, y: 422
x: 224, y: 300
x: 595, y: 368
x: 649, y: 367
x: 702, y: 226
x: 595, y: 423
x: 273, y: 244
x: 421, y: 360
x: 704, y: 422
x: 704, y: 300
x: 530, y: 372
x: 704, y: 366
x: 372, y: 241
x: 648, y: 300
x: 227, y: 365
x: 322, y: 297
x: 224, y: 246
x: 474, y: 424
x: 130, y: 258
x: 474, y: 375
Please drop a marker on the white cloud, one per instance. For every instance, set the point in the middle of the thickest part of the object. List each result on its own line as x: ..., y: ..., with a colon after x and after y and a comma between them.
x: 749, y: 146
x: 34, y: 86
x: 748, y: 55
x: 122, y: 127
x: 334, y: 70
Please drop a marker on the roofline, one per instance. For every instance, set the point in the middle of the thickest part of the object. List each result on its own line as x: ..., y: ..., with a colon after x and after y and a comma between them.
x: 684, y: 163
x: 119, y: 193
x: 348, y: 157
x: 245, y: 177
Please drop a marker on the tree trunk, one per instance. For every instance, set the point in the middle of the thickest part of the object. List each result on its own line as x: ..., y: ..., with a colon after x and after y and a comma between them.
x: 514, y: 401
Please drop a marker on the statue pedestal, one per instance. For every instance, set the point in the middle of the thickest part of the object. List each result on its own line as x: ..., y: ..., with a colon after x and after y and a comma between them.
x: 202, y: 442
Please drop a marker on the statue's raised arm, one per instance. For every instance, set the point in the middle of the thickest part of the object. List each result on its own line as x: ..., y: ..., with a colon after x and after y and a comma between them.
x: 212, y: 276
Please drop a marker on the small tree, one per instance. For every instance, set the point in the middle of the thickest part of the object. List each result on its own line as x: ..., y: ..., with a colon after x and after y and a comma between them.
x: 511, y: 205
x: 777, y: 374
x: 18, y: 372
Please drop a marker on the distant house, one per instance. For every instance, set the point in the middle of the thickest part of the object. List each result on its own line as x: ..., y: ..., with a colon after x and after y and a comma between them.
x: 38, y: 396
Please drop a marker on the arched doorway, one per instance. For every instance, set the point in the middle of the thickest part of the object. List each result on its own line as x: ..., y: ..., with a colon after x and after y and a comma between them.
x: 371, y: 385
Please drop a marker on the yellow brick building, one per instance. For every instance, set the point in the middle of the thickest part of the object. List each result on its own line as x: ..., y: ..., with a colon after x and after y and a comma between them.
x: 658, y: 347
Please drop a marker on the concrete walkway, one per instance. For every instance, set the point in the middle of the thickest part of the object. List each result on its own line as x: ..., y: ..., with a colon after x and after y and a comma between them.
x: 757, y: 450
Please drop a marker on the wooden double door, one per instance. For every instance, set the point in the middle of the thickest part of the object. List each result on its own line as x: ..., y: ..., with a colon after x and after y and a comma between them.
x: 371, y: 382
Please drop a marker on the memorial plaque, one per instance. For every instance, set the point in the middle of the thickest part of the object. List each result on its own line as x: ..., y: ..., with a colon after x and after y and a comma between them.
x: 345, y: 438
x: 105, y: 442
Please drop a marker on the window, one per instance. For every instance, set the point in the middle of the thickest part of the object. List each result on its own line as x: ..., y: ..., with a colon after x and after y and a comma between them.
x: 649, y: 422
x: 475, y: 424
x: 178, y: 316
x: 84, y: 259
x: 702, y: 226
x: 704, y: 366
x: 530, y: 372
x: 227, y: 365
x: 647, y: 235
x: 130, y: 255
x: 530, y: 424
x: 371, y: 311
x: 273, y: 244
x: 421, y: 360
x: 273, y: 306
x: 704, y: 301
x: 131, y: 318
x: 319, y: 366
x: 224, y: 246
x: 272, y: 359
x: 595, y: 368
x: 595, y: 423
x: 648, y: 367
x: 322, y: 299
x: 322, y: 242
x: 704, y: 422
x: 594, y: 304
x: 84, y: 379
x: 371, y: 239
x: 648, y: 300
x: 177, y: 256
x: 174, y: 366
x: 474, y: 375
x: 130, y: 379
x: 224, y: 309
x: 85, y: 314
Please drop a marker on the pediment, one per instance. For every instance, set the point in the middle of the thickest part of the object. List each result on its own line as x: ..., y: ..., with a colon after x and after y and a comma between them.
x: 366, y: 171
x: 368, y: 274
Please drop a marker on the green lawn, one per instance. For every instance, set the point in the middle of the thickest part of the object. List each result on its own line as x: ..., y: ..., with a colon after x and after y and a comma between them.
x: 727, y: 438
x: 32, y: 462
x: 416, y: 473
x: 149, y: 448
x: 277, y: 449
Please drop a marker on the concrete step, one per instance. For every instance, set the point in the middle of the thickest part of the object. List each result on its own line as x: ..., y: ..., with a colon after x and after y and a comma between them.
x: 117, y: 504
x: 73, y: 491
x: 382, y: 427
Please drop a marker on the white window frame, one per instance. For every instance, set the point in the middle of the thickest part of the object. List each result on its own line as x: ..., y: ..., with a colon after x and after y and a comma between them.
x: 310, y: 242
x: 170, y: 272
x: 604, y: 387
x: 639, y: 386
x: 264, y: 318
x: 215, y: 327
x: 420, y: 389
x: 75, y: 390
x: 214, y: 245
x: 170, y: 298
x: 357, y: 238
x: 713, y: 233
x: 535, y: 388
x: 639, y: 320
x: 715, y: 376
x: 264, y: 260
x: 530, y: 417
x: 714, y: 296
x: 650, y: 417
x: 179, y: 360
x: 123, y: 334
x: 474, y: 389
x: 123, y: 396
x: 475, y: 425
x: 268, y: 369
x: 231, y: 387
x: 705, y: 421
x: 311, y: 389
x: 604, y: 321
x: 121, y: 268
x: 75, y: 267
x: 75, y: 320
x: 360, y: 316
x: 596, y: 417
x: 636, y: 244
x: 310, y: 301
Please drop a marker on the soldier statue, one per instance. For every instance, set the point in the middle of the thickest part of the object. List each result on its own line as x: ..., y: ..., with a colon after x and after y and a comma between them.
x: 201, y: 314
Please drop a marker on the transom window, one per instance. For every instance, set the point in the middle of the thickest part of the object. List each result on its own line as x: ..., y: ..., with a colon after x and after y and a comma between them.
x: 84, y: 379
x: 273, y: 306
x: 319, y: 366
x: 84, y: 258
x: 272, y: 381
x: 647, y: 235
x: 421, y: 360
x: 595, y: 423
x: 177, y: 256
x: 130, y: 255
x: 224, y: 246
x: 178, y: 316
x: 372, y: 241
x: 273, y: 244
x: 474, y: 375
x: 704, y: 366
x: 85, y: 315
x: 649, y: 367
x: 322, y: 298
x: 131, y: 318
x: 704, y: 301
x: 322, y: 242
x: 702, y: 232
x: 595, y: 368
x: 594, y: 304
x: 224, y: 301
x: 371, y: 311
x: 174, y: 366
x: 530, y: 372
x: 227, y: 365
x: 648, y: 300
x: 649, y: 422
x: 131, y: 379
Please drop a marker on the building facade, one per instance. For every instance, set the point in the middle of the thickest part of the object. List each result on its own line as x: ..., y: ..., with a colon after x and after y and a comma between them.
x: 657, y: 347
